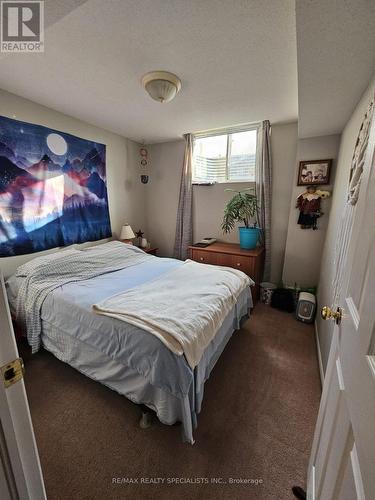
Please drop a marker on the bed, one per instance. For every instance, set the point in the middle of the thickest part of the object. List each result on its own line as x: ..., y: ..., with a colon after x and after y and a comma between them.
x: 121, y: 355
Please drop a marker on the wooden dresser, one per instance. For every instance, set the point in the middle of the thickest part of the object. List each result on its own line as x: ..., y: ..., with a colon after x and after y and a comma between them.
x: 231, y: 255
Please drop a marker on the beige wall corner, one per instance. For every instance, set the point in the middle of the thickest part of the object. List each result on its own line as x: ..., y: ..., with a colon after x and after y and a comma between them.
x: 304, y: 247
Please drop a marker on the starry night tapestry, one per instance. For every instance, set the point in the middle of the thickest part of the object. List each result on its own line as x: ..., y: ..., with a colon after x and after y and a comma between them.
x: 52, y: 189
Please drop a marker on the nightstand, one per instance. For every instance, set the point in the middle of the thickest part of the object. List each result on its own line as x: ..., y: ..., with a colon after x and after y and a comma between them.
x: 151, y: 250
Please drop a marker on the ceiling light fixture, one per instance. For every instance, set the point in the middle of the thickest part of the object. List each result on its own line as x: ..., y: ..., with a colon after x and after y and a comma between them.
x: 161, y: 85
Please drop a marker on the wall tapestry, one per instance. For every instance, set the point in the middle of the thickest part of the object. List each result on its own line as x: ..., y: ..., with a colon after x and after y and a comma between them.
x: 52, y: 189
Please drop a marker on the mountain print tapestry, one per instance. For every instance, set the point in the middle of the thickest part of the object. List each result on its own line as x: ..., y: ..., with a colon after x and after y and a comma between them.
x: 52, y: 189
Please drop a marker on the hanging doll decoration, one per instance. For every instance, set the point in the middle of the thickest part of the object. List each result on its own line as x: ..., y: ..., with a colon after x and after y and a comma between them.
x: 308, y: 203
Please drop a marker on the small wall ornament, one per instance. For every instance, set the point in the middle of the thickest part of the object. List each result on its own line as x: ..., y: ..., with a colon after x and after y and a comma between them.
x: 144, y: 164
x: 309, y: 203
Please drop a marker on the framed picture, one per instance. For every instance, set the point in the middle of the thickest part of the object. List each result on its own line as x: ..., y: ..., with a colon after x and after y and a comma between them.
x: 314, y: 172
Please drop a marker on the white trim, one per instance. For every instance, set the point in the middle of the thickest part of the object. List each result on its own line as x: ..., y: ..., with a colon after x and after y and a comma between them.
x: 353, y: 311
x: 319, y: 353
x: 311, y: 485
x: 371, y: 361
x: 227, y: 130
x: 357, y: 474
x: 339, y: 375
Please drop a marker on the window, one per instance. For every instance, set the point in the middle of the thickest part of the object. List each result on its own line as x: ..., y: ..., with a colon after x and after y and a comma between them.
x: 228, y: 157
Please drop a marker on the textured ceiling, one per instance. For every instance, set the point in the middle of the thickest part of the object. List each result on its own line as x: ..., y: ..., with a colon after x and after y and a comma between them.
x: 236, y: 60
x: 336, y: 61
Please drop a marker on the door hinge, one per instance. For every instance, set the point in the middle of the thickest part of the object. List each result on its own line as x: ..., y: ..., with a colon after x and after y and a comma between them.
x: 12, y: 372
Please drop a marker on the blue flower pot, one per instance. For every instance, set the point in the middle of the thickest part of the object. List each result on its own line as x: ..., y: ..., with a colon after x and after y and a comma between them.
x: 248, y: 237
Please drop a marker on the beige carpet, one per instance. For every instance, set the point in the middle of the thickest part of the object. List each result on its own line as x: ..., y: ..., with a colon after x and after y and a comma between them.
x: 257, y: 423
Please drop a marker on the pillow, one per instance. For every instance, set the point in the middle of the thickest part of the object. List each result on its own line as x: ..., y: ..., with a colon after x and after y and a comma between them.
x: 26, y: 269
x: 113, y: 244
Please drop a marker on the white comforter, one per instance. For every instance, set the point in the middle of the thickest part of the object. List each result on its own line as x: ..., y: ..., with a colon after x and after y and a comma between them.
x: 184, y: 308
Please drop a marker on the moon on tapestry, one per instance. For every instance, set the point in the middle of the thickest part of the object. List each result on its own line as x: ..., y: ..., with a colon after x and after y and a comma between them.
x: 57, y: 144
x: 53, y: 189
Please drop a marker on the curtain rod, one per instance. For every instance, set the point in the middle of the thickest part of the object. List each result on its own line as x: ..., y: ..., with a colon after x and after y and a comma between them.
x: 227, y: 130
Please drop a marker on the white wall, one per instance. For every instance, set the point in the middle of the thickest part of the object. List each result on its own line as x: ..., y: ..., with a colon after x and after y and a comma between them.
x: 304, y: 247
x: 125, y: 191
x: 348, y: 140
x: 209, y: 201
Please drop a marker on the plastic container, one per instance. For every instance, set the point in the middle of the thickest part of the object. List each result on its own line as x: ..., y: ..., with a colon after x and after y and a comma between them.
x: 266, y: 291
x: 248, y: 237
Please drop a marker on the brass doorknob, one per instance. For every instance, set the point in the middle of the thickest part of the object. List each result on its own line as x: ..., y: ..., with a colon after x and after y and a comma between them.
x: 327, y: 313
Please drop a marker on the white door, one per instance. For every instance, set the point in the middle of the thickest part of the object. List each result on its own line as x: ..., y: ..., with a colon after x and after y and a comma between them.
x: 342, y: 462
x: 20, y: 472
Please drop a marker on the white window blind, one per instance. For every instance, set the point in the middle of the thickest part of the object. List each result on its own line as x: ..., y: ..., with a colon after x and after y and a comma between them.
x: 226, y: 157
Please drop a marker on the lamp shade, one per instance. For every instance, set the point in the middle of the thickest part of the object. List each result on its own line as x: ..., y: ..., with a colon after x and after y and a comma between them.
x: 162, y: 86
x: 126, y: 233
x: 161, y: 90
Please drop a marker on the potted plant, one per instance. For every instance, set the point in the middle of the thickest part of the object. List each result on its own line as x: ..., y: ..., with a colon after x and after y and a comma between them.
x: 242, y: 208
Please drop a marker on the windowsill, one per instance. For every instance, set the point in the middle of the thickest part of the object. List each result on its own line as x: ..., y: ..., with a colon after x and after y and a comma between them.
x: 196, y: 183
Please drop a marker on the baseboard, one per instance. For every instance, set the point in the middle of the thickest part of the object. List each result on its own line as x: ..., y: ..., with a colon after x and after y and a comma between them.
x: 319, y: 353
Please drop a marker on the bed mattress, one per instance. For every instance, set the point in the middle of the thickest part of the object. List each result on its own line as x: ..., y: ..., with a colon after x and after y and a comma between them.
x: 101, y: 346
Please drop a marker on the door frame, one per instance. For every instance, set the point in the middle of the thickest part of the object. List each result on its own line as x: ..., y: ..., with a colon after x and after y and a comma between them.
x: 19, y: 458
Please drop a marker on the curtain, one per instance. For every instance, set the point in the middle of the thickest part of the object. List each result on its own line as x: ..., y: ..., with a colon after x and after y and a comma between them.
x: 263, y: 187
x: 184, y: 224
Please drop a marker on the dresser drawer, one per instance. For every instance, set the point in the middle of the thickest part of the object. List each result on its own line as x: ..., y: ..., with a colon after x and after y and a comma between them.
x: 231, y: 255
x: 204, y: 257
x: 244, y: 264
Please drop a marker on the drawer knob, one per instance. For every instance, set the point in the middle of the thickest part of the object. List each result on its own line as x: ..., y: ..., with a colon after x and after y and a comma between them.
x: 238, y: 264
x: 202, y: 258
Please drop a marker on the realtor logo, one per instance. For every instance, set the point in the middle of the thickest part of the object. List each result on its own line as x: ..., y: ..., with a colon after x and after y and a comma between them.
x: 22, y: 26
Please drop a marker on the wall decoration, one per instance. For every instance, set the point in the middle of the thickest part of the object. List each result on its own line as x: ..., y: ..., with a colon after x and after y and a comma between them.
x: 359, y: 156
x: 52, y: 189
x: 314, y: 172
x: 144, y: 163
x: 309, y: 203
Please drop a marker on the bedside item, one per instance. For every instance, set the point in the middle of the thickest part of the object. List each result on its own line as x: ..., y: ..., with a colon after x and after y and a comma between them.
x: 139, y: 234
x: 306, y: 307
x: 200, y: 245
x: 242, y: 208
x: 151, y: 250
x: 144, y: 243
x: 127, y: 235
x: 207, y: 241
x: 266, y: 291
x: 251, y: 262
x: 282, y: 299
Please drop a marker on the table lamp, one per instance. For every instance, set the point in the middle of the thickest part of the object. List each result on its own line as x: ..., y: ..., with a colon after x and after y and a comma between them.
x: 127, y: 234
